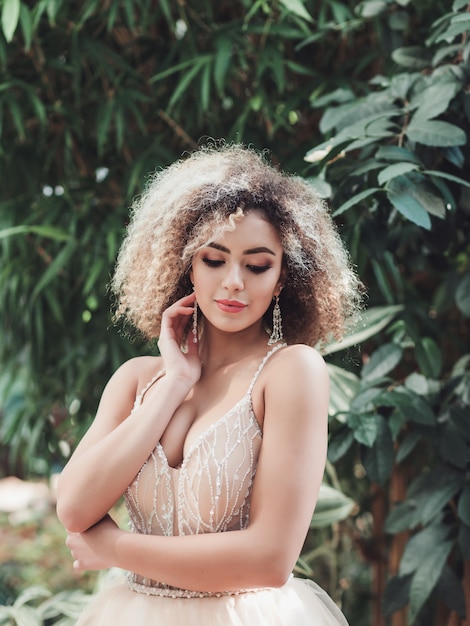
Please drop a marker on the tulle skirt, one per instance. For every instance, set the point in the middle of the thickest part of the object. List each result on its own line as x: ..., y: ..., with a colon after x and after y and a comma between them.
x: 298, y: 603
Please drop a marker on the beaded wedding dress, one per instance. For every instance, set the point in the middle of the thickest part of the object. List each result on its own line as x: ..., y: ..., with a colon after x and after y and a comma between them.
x: 209, y: 492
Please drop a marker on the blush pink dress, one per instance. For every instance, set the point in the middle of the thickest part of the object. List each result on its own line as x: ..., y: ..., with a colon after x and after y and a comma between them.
x: 208, y: 493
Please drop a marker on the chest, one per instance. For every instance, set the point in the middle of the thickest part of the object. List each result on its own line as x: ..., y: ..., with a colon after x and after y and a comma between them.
x: 205, y: 405
x: 210, y: 490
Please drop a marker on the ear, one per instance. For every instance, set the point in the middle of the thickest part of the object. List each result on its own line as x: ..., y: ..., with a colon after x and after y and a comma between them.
x: 191, y: 275
x: 281, y: 282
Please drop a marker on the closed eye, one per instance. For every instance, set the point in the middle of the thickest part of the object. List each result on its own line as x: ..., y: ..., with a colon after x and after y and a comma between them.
x: 212, y: 262
x: 258, y: 269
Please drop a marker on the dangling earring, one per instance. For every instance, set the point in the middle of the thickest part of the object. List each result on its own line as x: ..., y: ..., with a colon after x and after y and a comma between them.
x: 195, y: 331
x: 276, y: 333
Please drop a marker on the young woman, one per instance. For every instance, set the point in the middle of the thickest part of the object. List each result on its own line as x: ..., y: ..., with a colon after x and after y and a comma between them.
x: 219, y: 443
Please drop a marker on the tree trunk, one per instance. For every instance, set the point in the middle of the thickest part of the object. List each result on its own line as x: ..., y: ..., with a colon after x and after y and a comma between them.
x: 397, y: 494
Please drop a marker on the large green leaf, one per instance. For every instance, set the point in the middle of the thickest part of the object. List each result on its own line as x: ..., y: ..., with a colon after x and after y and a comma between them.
x: 392, y: 171
x: 429, y: 357
x: 378, y: 460
x: 396, y: 595
x: 340, y: 443
x: 412, y: 57
x: 464, y: 541
x: 421, y: 544
x: 366, y: 399
x: 414, y: 408
x: 450, y: 590
x: 462, y: 294
x: 427, y: 575
x: 464, y: 505
x: 427, y: 496
x: 344, y: 385
x: 435, y: 133
x: 402, y: 194
x: 365, y: 428
x: 434, y: 99
x: 372, y: 321
x: 382, y: 361
x: 332, y: 507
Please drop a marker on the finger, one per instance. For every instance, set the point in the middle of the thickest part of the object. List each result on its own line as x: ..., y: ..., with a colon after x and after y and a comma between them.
x: 174, y: 312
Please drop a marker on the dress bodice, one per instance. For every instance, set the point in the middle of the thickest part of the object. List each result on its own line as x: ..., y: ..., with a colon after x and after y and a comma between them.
x: 209, y: 491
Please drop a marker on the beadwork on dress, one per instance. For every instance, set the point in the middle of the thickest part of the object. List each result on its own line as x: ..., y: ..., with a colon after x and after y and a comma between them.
x: 209, y: 492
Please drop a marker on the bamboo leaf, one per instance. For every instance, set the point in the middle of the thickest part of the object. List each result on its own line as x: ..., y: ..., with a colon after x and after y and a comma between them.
x: 187, y: 79
x: 49, y: 232
x: 26, y: 26
x: 174, y: 69
x: 297, y: 8
x: 206, y: 87
x: 223, y: 57
x: 54, y: 268
x: 10, y: 17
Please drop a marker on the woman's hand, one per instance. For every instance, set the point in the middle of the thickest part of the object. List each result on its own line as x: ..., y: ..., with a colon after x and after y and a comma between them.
x: 94, y: 548
x: 173, y: 334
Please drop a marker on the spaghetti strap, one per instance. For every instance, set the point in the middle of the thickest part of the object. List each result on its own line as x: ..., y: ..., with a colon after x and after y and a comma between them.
x: 261, y: 365
x: 140, y: 396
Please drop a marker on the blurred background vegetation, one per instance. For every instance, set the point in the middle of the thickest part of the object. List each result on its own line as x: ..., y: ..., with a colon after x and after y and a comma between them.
x: 370, y: 102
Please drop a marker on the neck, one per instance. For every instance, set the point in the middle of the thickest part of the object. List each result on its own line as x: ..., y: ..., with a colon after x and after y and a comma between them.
x: 220, y: 349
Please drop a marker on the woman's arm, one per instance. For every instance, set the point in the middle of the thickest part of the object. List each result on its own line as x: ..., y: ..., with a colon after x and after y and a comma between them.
x: 288, y: 478
x: 119, y: 442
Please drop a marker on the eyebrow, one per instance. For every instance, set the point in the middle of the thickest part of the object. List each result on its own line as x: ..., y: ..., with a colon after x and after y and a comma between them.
x: 217, y: 246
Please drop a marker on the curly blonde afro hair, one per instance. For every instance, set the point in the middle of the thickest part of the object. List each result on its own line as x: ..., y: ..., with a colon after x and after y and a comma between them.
x: 192, y: 202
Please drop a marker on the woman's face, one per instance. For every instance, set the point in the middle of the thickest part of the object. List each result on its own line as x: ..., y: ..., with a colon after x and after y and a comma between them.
x: 236, y: 276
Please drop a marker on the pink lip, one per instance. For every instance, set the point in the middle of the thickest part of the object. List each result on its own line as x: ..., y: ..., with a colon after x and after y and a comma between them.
x: 230, y: 306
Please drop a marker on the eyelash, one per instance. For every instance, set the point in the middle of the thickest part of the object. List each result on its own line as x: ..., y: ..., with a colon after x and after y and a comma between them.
x: 256, y: 269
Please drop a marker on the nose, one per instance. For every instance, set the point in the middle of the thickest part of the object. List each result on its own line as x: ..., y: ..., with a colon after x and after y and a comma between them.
x: 233, y: 279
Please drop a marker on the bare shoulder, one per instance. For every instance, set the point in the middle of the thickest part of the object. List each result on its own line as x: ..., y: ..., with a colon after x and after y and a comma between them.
x: 134, y: 374
x: 294, y: 382
x: 295, y: 364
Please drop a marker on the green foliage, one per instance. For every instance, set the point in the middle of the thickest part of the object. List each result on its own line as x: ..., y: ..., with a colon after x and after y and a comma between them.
x: 393, y: 163
x: 94, y: 96
x: 36, y: 605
